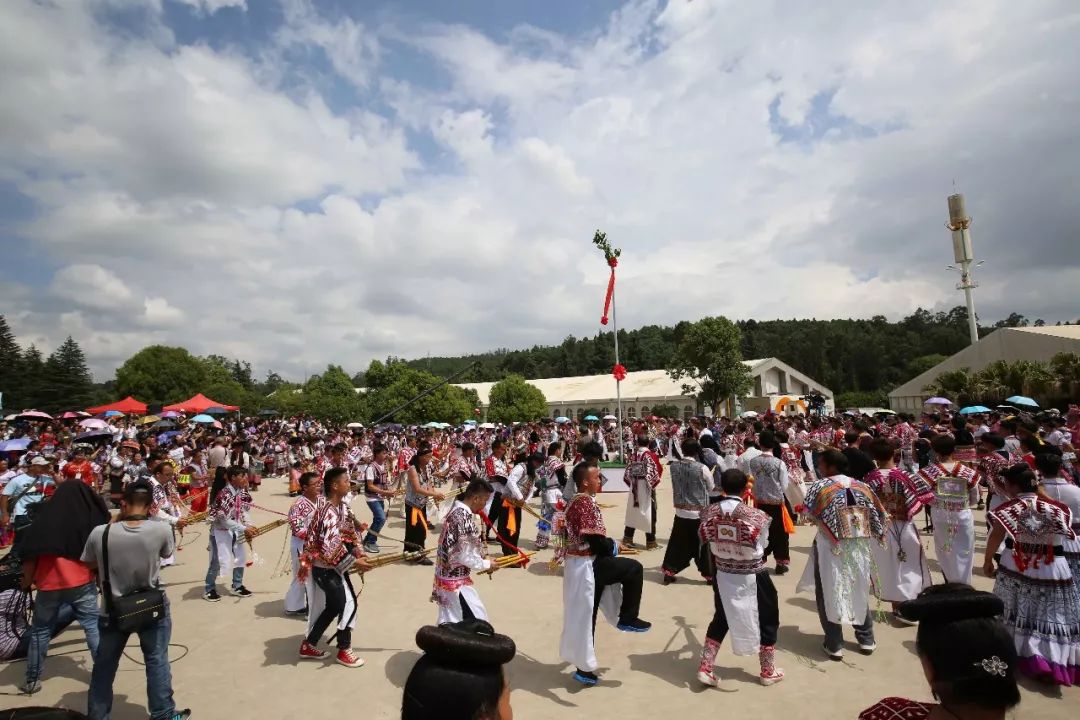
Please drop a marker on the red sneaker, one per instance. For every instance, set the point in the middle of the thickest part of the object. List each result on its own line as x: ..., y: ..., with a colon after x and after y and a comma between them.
x: 348, y: 659
x: 310, y: 652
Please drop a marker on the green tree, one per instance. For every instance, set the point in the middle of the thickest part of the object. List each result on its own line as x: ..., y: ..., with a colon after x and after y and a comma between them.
x: 666, y: 411
x: 959, y: 386
x: 1066, y: 369
x: 863, y: 398
x: 448, y: 403
x: 512, y: 399
x: 68, y: 383
x: 917, y: 366
x: 219, y: 383
x: 709, y: 354
x: 32, y: 377
x: 162, y: 374
x: 10, y: 356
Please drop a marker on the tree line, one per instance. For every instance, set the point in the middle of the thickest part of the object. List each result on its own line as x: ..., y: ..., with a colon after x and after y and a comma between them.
x: 860, y: 360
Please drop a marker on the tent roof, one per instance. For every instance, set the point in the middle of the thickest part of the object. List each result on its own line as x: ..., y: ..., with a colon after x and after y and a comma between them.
x: 197, y: 404
x: 127, y: 406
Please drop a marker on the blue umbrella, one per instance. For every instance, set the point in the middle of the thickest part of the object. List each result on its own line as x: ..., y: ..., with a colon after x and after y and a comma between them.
x: 16, y: 445
x: 1021, y: 400
x: 592, y: 418
x: 561, y: 420
x: 167, y: 436
x: 974, y: 409
x: 216, y: 411
x: 202, y: 419
x: 113, y: 413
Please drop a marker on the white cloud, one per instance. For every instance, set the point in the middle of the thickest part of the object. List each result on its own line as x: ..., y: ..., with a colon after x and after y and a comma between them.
x: 91, y: 286
x: 212, y: 6
x: 226, y: 198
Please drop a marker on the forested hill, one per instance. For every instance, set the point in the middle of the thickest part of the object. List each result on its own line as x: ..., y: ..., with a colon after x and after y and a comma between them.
x: 868, y: 357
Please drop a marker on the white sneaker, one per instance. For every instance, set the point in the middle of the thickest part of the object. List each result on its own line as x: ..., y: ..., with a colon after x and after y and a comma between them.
x: 868, y: 649
x: 708, y: 679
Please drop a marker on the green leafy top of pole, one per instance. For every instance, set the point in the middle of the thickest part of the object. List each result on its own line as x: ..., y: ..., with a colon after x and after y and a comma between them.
x: 610, y: 254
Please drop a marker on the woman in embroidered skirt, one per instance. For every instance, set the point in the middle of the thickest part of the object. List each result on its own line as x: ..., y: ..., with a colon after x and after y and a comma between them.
x: 1042, y: 605
x: 901, y: 563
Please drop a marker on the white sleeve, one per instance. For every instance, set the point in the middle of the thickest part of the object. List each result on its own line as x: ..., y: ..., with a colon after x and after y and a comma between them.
x: 469, y: 556
x: 512, y: 481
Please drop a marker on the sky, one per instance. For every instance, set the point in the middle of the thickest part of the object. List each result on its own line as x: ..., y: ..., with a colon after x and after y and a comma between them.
x: 299, y: 182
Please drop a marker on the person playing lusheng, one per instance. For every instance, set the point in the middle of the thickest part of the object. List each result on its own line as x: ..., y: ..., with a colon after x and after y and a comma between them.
x: 460, y: 675
x: 594, y: 578
x: 744, y: 597
x: 967, y: 657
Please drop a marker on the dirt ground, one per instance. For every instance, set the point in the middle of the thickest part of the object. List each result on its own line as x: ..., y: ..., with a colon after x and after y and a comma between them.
x: 237, y: 658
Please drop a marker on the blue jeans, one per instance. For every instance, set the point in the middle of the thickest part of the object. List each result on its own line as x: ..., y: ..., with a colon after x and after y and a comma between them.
x: 52, y: 607
x: 215, y: 568
x: 378, y: 520
x: 154, y: 641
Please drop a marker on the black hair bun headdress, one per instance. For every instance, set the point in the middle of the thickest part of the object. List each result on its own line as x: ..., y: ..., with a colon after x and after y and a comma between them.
x: 951, y: 602
x: 470, y: 643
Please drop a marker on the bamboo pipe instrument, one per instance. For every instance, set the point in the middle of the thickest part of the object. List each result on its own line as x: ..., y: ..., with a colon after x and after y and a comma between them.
x: 506, y: 561
x: 382, y: 560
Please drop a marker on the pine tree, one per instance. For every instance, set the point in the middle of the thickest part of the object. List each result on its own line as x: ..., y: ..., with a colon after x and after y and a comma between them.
x: 9, y: 366
x: 31, y: 379
x: 68, y: 383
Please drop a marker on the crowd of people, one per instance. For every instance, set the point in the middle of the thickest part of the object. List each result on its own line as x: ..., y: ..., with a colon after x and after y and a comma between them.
x: 739, y: 488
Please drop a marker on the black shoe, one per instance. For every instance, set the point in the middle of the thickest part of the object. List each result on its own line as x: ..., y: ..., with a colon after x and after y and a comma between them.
x: 423, y: 561
x: 242, y: 592
x: 637, y: 625
x: 212, y: 596
x: 782, y: 569
x: 668, y: 579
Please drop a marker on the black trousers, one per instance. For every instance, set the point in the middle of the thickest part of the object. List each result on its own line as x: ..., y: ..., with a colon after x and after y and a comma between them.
x: 504, y: 529
x: 768, y: 607
x: 685, y: 547
x: 334, y: 585
x: 415, y: 527
x: 779, y: 541
x: 619, y: 571
x: 496, y: 511
x: 466, y: 611
x: 650, y: 537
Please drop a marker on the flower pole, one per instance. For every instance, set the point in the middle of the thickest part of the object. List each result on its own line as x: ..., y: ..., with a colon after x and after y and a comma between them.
x: 611, y: 255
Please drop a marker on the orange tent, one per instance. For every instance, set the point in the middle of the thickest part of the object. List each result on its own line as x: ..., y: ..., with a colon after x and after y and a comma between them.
x: 128, y: 406
x: 197, y: 404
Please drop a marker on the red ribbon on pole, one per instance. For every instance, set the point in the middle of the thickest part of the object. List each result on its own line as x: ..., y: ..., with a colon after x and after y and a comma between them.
x: 612, y: 263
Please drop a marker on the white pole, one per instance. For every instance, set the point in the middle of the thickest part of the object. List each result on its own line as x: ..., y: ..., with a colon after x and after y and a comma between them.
x: 618, y: 388
x: 968, y: 285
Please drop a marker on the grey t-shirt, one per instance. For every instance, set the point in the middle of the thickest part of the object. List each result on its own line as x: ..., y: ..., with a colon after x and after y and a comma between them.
x: 135, y: 554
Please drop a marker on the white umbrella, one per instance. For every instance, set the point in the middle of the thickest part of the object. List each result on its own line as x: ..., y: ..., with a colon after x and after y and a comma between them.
x: 749, y: 413
x: 355, y: 425
x: 610, y: 417
x: 93, y: 424
x: 488, y: 426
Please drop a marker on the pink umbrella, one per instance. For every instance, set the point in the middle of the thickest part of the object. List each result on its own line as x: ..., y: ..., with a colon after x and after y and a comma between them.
x: 93, y: 424
x: 939, y: 401
x: 69, y: 415
x: 170, y: 414
x: 33, y: 415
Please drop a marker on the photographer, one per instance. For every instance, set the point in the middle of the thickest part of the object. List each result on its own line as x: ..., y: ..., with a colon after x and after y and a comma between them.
x: 135, y: 549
